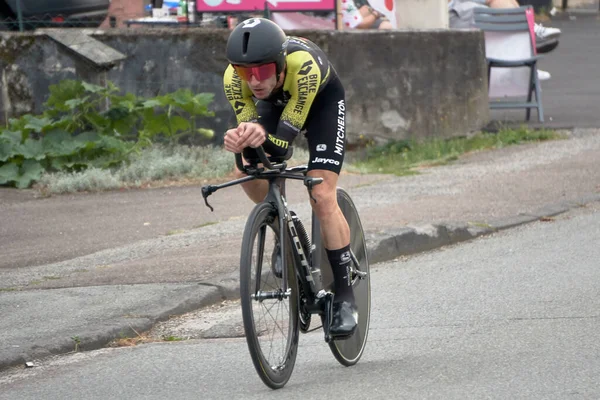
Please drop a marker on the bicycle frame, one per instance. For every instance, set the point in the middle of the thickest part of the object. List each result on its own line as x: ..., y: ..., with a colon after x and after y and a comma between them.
x: 277, y: 175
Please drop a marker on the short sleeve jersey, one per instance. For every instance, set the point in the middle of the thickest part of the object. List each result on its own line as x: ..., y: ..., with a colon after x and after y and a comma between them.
x: 307, y: 72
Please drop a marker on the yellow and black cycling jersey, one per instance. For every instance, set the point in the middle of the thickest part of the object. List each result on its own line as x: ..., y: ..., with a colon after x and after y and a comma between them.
x: 307, y: 72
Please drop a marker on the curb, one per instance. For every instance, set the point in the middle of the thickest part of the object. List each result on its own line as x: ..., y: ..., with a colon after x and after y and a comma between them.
x: 99, y: 337
x: 391, y: 244
x: 382, y: 246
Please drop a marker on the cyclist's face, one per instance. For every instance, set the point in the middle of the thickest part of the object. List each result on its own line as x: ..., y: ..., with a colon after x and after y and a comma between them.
x: 262, y: 89
x: 261, y: 79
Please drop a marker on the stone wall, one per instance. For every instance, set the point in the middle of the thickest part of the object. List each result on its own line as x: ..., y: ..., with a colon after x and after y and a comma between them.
x: 399, y: 84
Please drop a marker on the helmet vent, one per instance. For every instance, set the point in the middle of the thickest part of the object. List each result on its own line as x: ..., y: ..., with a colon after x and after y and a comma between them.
x: 245, y: 42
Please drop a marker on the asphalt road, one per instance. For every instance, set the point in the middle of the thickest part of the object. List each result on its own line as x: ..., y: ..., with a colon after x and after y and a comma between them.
x: 512, y: 315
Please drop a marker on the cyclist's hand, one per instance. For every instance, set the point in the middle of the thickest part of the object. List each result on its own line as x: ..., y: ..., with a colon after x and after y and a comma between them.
x: 251, y: 135
x: 231, y: 139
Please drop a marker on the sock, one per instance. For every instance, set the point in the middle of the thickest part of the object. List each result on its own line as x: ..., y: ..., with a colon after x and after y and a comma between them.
x: 340, y: 265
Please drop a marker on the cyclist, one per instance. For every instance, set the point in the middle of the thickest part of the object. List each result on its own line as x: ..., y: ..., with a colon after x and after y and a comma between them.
x: 297, y: 91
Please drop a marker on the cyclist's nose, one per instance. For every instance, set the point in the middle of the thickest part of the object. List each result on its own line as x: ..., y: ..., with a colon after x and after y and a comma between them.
x: 253, y: 80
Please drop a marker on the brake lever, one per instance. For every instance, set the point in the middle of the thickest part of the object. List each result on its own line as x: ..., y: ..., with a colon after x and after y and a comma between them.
x: 207, y: 191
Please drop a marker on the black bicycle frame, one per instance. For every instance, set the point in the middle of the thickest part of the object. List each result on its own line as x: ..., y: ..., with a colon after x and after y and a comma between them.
x: 276, y: 196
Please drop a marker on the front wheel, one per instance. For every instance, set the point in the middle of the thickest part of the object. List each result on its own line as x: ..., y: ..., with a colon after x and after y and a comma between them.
x: 348, y: 351
x: 269, y: 311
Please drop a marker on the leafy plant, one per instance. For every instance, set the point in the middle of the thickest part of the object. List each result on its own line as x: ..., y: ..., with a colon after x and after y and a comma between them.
x: 89, y: 126
x: 173, y: 123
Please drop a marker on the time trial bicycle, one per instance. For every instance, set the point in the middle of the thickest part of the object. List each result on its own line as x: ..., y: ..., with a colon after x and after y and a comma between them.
x: 278, y: 304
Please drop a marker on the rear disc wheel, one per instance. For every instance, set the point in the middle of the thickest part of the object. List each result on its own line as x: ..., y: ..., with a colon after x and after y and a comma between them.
x: 348, y: 351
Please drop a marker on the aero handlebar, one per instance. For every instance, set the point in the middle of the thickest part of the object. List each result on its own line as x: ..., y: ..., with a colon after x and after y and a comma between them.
x: 263, y: 159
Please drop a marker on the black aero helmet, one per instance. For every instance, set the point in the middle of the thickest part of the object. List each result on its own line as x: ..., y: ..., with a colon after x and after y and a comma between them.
x: 257, y: 41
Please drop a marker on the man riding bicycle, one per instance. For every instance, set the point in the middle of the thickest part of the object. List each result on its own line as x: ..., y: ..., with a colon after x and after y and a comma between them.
x: 297, y: 91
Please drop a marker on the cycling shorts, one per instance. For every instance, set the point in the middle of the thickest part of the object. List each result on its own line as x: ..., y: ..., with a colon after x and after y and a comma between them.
x: 325, y: 127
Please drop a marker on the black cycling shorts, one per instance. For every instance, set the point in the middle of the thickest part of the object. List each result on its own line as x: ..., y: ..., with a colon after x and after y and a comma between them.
x: 325, y: 127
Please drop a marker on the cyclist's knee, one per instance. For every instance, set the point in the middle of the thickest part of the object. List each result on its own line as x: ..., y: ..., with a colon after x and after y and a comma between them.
x: 237, y: 173
x: 326, y: 201
x: 324, y: 193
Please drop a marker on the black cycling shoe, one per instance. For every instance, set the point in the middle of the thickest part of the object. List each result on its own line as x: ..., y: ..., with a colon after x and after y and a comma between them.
x: 546, y: 46
x: 344, y: 320
x: 276, y: 264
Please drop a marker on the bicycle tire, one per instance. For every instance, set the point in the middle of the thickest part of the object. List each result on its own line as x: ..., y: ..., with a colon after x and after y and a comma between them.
x: 349, y: 351
x: 274, y: 364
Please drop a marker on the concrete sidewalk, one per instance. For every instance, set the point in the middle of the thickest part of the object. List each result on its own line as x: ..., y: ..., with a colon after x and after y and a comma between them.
x: 80, y: 270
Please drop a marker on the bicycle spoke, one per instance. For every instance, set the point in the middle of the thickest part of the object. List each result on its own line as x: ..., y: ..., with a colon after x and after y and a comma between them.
x: 272, y: 316
x: 271, y: 345
x: 267, y: 311
x: 272, y: 334
x: 281, y: 359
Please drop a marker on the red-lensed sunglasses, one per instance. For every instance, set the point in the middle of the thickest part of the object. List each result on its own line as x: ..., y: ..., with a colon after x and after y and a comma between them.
x: 260, y: 72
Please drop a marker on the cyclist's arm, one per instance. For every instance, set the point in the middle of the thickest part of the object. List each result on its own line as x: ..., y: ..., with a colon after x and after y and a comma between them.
x: 239, y: 96
x: 302, y: 82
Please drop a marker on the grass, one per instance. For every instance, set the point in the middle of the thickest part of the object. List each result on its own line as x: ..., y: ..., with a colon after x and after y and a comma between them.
x: 141, y: 338
x: 184, y: 165
x: 153, y: 167
x: 172, y: 339
x: 402, y: 157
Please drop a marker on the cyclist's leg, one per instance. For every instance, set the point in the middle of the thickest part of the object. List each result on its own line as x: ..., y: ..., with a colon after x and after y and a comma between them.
x: 335, y: 232
x: 269, y: 115
x: 326, y: 132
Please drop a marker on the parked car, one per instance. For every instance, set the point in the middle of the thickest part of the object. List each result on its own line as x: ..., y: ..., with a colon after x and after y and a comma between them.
x: 53, y: 13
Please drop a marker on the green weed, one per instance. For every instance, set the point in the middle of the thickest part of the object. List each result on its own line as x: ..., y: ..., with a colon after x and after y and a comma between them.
x: 175, y: 232
x: 205, y: 224
x: 172, y: 339
x: 401, y: 157
x: 77, y: 342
